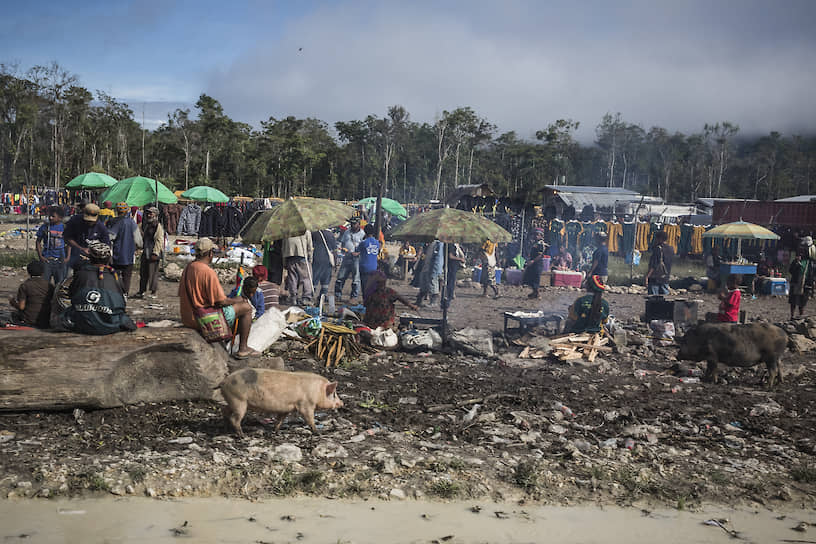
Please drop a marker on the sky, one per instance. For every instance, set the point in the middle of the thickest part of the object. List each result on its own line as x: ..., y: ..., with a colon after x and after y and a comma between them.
x: 519, y: 64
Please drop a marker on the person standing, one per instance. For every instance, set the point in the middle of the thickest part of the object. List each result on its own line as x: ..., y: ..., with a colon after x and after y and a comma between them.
x: 126, y: 237
x: 535, y: 266
x: 487, y: 256
x: 801, y: 279
x: 660, y: 264
x: 368, y: 250
x: 324, y: 244
x: 106, y: 212
x: 432, y: 269
x: 456, y: 260
x: 84, y: 227
x: 153, y: 241
x: 350, y: 267
x: 51, y: 246
x: 296, y: 252
x: 600, y: 259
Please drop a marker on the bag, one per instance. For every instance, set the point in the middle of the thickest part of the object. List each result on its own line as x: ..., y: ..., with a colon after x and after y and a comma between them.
x: 137, y: 236
x: 661, y: 272
x: 384, y: 338
x: 212, y: 325
x: 416, y: 340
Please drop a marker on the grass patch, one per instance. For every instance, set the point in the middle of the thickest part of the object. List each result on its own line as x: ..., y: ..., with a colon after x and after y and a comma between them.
x: 137, y: 473
x: 525, y: 475
x: 804, y: 474
x: 310, y: 481
x: 97, y: 483
x: 681, y: 503
x: 17, y: 259
x: 445, y: 489
x: 718, y: 477
x: 284, y: 484
x: 374, y: 404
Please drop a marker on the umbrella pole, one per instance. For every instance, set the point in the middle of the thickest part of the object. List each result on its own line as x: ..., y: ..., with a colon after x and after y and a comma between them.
x: 445, y: 299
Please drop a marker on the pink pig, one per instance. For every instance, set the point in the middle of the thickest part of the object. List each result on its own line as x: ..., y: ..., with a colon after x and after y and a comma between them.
x: 277, y: 392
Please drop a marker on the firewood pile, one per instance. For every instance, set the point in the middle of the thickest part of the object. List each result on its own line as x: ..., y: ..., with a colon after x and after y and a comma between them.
x: 579, y: 346
x: 336, y: 342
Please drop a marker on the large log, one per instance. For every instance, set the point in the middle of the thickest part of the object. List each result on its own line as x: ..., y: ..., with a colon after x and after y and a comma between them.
x: 49, y: 370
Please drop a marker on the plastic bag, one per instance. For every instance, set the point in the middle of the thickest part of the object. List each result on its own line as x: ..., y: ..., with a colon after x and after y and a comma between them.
x: 418, y: 340
x: 384, y: 338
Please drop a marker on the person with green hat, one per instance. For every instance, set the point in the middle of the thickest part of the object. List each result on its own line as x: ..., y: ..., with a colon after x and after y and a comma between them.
x: 589, y: 312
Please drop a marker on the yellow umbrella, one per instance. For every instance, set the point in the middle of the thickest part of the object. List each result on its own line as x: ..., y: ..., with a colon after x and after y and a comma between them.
x: 741, y: 230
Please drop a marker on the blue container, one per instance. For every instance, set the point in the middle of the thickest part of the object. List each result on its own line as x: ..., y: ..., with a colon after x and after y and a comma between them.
x: 498, y: 276
x: 477, y: 275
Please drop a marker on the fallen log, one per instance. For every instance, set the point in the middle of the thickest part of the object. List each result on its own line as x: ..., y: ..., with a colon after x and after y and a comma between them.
x: 43, y: 370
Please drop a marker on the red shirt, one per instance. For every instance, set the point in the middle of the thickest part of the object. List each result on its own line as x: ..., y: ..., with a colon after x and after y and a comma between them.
x: 729, y: 308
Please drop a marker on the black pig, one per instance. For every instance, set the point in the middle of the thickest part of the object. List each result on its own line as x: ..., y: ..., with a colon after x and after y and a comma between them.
x: 735, y: 345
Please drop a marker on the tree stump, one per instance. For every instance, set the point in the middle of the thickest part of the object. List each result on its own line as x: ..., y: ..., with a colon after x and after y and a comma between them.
x: 43, y: 370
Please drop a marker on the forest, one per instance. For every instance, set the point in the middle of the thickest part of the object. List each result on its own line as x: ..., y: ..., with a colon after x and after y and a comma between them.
x: 52, y: 129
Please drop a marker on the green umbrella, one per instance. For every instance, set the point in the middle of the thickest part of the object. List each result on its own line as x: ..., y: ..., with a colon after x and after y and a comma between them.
x: 741, y: 230
x: 391, y: 206
x: 450, y: 225
x: 293, y: 218
x: 91, y: 180
x: 138, y: 191
x: 202, y: 193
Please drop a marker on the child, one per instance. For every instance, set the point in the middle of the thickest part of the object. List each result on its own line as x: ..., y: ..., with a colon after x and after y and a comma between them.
x: 254, y: 295
x: 33, y: 300
x: 730, y: 301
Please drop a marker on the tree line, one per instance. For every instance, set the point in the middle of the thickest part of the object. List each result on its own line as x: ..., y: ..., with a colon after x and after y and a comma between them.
x: 54, y: 129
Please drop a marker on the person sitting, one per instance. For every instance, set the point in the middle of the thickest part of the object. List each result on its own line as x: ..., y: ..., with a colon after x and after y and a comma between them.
x: 562, y: 261
x: 407, y: 258
x: 589, y: 312
x: 97, y: 302
x: 250, y: 291
x: 199, y: 287
x: 270, y: 291
x: 379, y: 302
x: 730, y: 301
x: 33, y: 300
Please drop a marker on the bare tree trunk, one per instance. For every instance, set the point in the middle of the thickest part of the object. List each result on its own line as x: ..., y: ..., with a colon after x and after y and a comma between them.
x: 456, y: 175
x: 207, y: 166
x: 470, y: 166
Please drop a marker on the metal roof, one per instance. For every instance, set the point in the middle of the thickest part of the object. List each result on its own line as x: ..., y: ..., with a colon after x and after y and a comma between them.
x: 800, y: 198
x: 597, y: 200
x: 591, y: 189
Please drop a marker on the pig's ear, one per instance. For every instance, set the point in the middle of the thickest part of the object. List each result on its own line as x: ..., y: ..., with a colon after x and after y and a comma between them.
x: 331, y: 388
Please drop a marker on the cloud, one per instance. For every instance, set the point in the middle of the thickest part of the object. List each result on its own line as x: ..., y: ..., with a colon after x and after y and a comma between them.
x: 523, y: 65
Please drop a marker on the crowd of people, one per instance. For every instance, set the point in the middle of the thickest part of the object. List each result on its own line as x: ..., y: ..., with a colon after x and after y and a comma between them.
x: 82, y: 278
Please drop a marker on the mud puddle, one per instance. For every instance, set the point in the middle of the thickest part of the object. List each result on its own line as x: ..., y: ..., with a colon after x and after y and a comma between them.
x: 316, y: 520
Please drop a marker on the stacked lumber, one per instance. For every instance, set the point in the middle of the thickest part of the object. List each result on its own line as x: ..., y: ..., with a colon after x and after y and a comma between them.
x: 336, y: 342
x: 579, y: 346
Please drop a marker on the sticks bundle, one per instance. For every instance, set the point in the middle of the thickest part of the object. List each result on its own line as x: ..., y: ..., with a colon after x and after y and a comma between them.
x: 579, y: 346
x: 336, y: 342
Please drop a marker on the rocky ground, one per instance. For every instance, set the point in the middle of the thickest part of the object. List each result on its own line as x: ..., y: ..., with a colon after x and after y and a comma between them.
x: 452, y: 425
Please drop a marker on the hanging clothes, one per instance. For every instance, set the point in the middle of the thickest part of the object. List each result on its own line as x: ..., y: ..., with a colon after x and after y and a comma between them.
x: 628, y: 242
x: 684, y: 246
x: 642, y: 236
x: 697, y: 240
x: 189, y: 220
x: 170, y: 214
x: 573, y: 230
x: 615, y: 232
x: 555, y: 238
x: 672, y: 236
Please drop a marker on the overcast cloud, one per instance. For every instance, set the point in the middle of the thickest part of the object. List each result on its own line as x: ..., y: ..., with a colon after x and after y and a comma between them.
x: 524, y: 64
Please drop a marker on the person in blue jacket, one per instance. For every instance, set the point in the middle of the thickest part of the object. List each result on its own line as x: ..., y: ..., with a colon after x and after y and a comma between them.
x: 369, y: 251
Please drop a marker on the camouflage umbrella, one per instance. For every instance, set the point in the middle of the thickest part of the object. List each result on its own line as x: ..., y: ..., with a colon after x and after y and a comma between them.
x: 293, y: 218
x: 450, y: 225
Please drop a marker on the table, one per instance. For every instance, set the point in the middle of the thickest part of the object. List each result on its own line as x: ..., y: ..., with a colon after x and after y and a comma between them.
x: 530, y: 321
x: 727, y: 269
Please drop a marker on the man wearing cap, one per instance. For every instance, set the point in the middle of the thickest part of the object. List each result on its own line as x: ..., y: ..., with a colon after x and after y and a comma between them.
x: 125, y: 235
x: 199, y: 287
x: 81, y: 229
x: 600, y: 259
x: 350, y: 267
x: 153, y: 241
x: 535, y: 266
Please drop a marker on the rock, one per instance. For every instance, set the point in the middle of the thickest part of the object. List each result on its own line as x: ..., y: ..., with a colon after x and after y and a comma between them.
x: 329, y: 450
x: 6, y: 436
x: 219, y: 457
x: 387, y: 463
x: 398, y: 494
x: 557, y: 429
x: 172, y: 272
x: 800, y: 343
x: 150, y: 492
x: 769, y: 408
x: 811, y: 333
x: 473, y: 341
x: 288, y: 453
x: 181, y: 440
x: 582, y: 445
x: 129, y: 489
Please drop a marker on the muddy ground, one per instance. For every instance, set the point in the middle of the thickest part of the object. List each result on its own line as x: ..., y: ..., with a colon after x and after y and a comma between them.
x: 405, y: 429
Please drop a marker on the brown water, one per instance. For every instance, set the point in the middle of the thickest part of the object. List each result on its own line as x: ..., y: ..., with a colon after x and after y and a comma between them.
x: 321, y: 520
